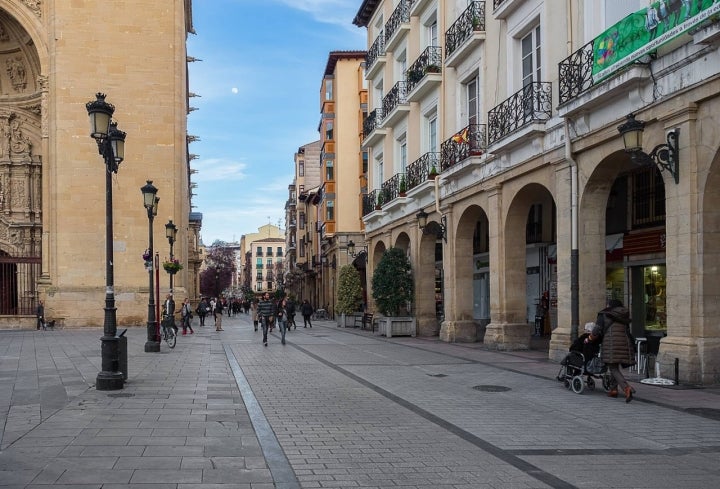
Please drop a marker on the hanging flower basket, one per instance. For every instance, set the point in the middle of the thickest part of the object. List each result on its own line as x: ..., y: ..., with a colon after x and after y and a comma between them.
x: 147, y: 259
x: 172, y: 266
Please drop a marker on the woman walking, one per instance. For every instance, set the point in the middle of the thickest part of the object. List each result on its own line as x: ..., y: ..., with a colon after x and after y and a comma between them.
x: 218, y: 311
x: 186, y: 313
x: 306, y: 310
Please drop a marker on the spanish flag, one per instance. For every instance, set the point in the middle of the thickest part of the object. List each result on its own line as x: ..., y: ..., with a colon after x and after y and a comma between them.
x: 461, y: 137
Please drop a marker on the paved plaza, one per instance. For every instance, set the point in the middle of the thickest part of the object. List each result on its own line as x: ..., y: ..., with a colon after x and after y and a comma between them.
x: 334, y: 408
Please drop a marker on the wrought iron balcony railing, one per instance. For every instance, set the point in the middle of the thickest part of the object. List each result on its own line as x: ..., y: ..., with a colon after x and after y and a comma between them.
x: 430, y: 61
x: 376, y: 50
x: 400, y: 15
x: 469, y: 141
x: 397, y: 95
x: 372, y: 122
x: 497, y: 3
x: 393, y: 187
x: 575, y: 73
x: 531, y: 103
x: 419, y: 170
x: 368, y: 202
x: 471, y: 20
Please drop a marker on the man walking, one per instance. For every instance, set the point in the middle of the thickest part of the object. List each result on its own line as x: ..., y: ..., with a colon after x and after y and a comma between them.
x: 266, y: 310
x: 40, y: 314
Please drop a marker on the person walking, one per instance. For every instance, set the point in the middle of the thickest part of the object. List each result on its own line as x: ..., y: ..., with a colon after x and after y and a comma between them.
x: 612, y: 328
x: 266, y: 311
x: 290, y: 310
x: 218, y: 312
x: 186, y: 315
x: 169, y: 312
x: 40, y: 315
x: 306, y: 310
x: 202, y: 310
x: 282, y: 319
x: 253, y: 307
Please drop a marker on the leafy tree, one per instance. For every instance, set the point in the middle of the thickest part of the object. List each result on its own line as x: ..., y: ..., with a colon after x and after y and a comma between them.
x: 220, y: 267
x: 349, y: 290
x: 392, y: 282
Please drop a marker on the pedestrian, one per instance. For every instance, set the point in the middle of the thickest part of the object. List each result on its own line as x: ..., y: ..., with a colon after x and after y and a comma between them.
x: 612, y: 328
x: 218, y: 313
x: 186, y: 315
x: 282, y: 319
x: 40, y: 314
x: 168, y: 315
x: 290, y: 310
x: 266, y: 312
x: 306, y: 310
x: 202, y: 310
x: 254, y: 308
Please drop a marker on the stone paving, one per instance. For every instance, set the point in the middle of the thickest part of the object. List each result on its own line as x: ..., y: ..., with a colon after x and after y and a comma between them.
x: 334, y: 408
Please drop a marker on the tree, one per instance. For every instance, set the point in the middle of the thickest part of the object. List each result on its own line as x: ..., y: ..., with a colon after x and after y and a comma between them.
x: 349, y: 293
x: 392, y: 282
x: 220, y: 267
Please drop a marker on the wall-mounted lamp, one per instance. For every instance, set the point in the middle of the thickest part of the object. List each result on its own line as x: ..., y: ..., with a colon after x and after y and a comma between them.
x: 439, y: 230
x: 664, y: 156
x: 351, y: 249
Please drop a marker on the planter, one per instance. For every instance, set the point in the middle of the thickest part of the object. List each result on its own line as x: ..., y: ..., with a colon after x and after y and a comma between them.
x: 432, y: 176
x: 348, y: 320
x: 390, y: 326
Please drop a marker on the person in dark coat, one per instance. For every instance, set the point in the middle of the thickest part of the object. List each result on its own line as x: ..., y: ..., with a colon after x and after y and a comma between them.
x: 306, y: 310
x: 612, y: 327
x: 40, y: 315
x: 266, y: 312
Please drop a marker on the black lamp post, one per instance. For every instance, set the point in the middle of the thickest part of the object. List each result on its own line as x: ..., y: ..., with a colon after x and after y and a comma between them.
x: 351, y: 250
x: 171, y: 234
x: 111, y: 145
x: 150, y: 201
x: 439, y: 230
x: 665, y: 156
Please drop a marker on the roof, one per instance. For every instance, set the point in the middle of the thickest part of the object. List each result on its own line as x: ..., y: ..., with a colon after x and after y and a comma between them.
x: 366, y: 11
x: 335, y: 56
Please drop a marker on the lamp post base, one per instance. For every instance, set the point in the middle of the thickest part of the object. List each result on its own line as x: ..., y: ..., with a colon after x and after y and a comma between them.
x: 109, y: 381
x: 152, y: 347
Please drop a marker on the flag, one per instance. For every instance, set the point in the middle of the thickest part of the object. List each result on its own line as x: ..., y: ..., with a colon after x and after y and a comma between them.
x: 461, y: 137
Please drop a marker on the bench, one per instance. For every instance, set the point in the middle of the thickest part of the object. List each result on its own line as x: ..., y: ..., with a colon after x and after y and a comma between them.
x: 364, y: 320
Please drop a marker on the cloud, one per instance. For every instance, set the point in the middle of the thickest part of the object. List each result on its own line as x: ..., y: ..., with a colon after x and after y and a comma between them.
x: 338, y: 12
x: 218, y: 169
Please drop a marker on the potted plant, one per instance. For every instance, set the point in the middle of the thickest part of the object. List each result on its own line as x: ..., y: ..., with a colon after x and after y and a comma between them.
x: 379, y: 204
x: 349, y: 295
x: 392, y: 291
x: 433, y: 173
x: 477, y: 25
x: 432, y: 68
x: 403, y: 186
x: 172, y: 266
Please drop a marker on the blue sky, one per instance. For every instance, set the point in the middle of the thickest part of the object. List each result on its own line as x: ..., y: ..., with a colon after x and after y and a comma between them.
x: 259, y: 90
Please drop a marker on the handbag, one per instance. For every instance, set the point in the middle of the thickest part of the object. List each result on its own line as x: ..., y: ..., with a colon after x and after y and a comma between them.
x: 595, y: 366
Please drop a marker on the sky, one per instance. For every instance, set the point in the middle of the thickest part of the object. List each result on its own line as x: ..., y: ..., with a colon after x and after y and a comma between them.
x: 258, y: 86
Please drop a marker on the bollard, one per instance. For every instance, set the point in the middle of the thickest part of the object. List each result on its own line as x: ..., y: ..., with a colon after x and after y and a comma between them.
x: 122, y: 354
x: 677, y: 371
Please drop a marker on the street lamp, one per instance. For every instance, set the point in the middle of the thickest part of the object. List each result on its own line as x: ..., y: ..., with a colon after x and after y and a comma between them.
x: 439, y: 230
x: 171, y: 234
x: 150, y: 201
x: 351, y: 250
x: 111, y: 145
x: 665, y: 156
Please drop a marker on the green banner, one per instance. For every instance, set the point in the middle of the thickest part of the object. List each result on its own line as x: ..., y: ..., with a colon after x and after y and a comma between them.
x: 644, y: 31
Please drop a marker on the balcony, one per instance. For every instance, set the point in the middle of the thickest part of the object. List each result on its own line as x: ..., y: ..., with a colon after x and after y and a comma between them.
x: 418, y: 172
x: 375, y: 57
x: 292, y: 224
x: 372, y: 131
x: 258, y: 253
x: 424, y: 74
x: 395, y: 105
x: 394, y: 187
x: 532, y: 103
x: 398, y: 25
x: 503, y: 8
x: 368, y: 203
x: 417, y: 7
x: 466, y: 34
x: 259, y: 266
x: 468, y: 142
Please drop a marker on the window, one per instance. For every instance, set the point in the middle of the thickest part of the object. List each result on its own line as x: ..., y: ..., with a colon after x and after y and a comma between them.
x: 301, y: 168
x: 269, y: 263
x: 269, y: 252
x: 330, y: 210
x: 402, y: 157
x: 279, y: 251
x: 328, y: 89
x: 329, y: 173
x: 329, y: 131
x: 472, y: 101
x: 258, y: 286
x: 379, y: 177
x: 259, y: 275
x: 533, y: 229
x: 259, y: 251
x: 365, y: 162
x: 530, y: 45
x: 259, y: 263
x: 648, y: 197
x: 432, y: 133
x: 269, y: 286
x: 302, y: 220
x: 432, y: 33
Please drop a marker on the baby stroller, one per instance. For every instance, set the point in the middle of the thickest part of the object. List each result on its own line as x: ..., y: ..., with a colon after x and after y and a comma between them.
x: 576, y: 372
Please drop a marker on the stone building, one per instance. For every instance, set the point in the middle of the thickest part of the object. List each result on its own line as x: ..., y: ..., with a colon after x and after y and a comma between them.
x: 54, y: 57
x: 522, y: 200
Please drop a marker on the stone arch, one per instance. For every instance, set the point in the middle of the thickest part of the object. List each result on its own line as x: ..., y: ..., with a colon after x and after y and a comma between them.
x: 429, y: 254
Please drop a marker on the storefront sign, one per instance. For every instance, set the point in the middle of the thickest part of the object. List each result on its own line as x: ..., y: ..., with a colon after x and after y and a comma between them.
x: 642, y: 32
x: 648, y: 242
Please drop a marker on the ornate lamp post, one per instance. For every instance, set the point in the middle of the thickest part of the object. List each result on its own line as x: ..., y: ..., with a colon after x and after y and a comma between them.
x: 171, y: 234
x: 111, y: 145
x: 150, y: 201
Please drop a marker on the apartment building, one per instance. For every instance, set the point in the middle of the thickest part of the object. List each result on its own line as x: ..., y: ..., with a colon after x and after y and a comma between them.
x: 496, y: 161
x: 262, y: 259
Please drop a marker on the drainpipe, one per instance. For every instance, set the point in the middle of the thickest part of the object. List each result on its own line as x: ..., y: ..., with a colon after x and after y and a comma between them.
x: 437, y: 194
x: 574, y: 255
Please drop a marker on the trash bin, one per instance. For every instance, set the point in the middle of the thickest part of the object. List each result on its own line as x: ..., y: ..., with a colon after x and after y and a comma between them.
x: 122, y: 354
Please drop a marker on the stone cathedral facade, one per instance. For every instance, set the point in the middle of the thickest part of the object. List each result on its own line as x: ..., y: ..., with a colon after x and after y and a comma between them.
x: 54, y: 57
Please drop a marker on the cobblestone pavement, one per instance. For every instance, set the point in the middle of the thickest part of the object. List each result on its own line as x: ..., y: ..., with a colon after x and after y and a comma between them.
x: 334, y: 408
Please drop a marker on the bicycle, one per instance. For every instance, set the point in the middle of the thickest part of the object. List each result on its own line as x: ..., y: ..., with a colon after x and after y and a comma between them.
x: 168, y: 333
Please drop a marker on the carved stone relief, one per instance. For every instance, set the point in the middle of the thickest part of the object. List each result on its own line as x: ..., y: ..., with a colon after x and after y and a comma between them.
x: 35, y: 6
x: 15, y: 68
